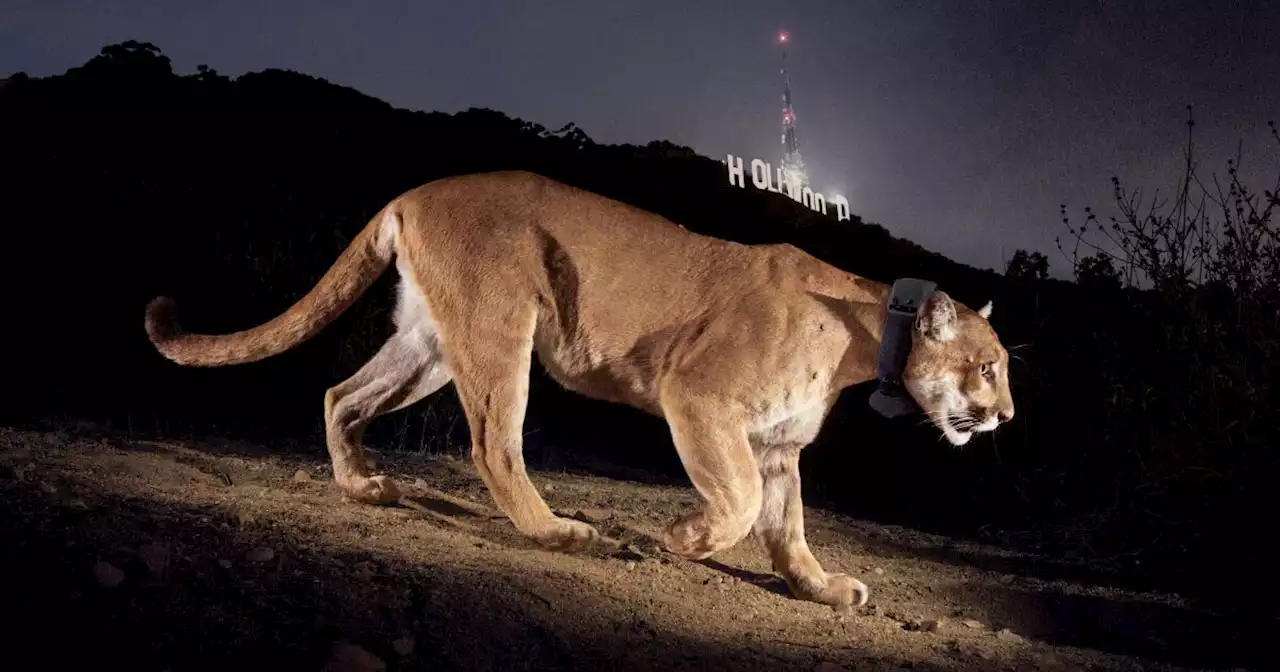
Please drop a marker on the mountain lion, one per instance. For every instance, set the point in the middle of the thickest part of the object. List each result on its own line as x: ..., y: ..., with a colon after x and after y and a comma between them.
x: 741, y: 349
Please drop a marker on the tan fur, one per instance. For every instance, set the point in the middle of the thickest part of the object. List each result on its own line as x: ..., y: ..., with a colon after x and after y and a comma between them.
x: 742, y: 349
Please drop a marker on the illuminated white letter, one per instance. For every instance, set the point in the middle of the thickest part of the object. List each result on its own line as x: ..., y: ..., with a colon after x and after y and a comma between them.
x: 842, y: 207
x: 736, y: 174
x: 806, y: 197
x: 773, y: 179
x: 819, y: 203
x: 759, y: 174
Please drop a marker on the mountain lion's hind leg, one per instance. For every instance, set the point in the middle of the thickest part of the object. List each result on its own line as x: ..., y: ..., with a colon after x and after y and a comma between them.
x: 408, y: 367
x: 781, y: 526
x: 493, y: 387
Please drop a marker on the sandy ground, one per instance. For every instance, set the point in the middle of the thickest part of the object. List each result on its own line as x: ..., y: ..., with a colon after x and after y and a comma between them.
x: 222, y: 556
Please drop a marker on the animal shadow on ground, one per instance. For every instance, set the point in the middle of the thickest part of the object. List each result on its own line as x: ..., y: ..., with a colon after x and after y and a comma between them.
x: 1128, y: 626
x: 769, y: 582
x: 1042, y: 600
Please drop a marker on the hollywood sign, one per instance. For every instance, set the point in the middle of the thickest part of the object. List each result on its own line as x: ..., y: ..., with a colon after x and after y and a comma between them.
x: 768, y: 178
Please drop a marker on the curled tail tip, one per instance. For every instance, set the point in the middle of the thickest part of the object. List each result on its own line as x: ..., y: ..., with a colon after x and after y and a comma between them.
x: 162, y: 320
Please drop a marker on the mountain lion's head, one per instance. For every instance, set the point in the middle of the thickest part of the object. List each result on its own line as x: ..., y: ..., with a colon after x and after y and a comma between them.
x: 958, y: 372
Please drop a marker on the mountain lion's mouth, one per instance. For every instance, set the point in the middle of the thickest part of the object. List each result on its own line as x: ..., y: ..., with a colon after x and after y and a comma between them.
x: 957, y: 434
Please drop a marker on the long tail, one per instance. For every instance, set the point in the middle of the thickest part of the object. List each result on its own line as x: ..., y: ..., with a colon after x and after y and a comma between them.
x: 356, y: 269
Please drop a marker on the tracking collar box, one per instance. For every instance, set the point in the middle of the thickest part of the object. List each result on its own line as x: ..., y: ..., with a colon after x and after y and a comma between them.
x: 890, y: 398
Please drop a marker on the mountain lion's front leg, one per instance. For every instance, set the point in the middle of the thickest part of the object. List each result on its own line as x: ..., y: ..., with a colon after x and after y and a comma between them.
x: 718, y: 459
x: 781, y: 526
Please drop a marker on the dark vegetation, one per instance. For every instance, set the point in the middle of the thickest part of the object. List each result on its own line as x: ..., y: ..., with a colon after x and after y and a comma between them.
x: 1144, y: 445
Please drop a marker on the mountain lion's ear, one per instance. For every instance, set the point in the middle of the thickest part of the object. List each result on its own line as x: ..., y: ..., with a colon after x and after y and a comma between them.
x: 985, y: 311
x: 937, y: 317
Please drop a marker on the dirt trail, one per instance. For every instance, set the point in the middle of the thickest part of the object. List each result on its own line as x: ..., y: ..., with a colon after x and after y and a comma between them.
x: 208, y: 555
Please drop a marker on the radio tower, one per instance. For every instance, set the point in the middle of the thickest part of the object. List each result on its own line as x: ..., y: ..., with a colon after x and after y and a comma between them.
x: 792, y: 164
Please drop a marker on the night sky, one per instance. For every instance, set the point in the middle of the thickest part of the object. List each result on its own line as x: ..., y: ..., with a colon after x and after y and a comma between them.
x: 961, y: 126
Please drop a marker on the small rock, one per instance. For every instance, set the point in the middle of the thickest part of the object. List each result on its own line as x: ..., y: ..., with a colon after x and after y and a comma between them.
x: 629, y: 552
x: 631, y: 564
x: 155, y: 557
x: 550, y: 487
x: 1007, y: 635
x: 921, y: 625
x: 592, y: 516
x: 347, y: 657
x: 78, y: 503
x: 403, y: 645
x: 725, y: 586
x: 107, y: 574
x: 260, y: 554
x: 878, y: 571
x: 972, y: 623
x: 828, y: 666
x: 301, y: 476
x: 246, y: 519
x: 365, y: 570
x: 420, y: 484
x: 48, y: 488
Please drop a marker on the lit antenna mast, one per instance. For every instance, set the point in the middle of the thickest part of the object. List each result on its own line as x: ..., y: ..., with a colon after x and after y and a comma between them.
x: 792, y: 164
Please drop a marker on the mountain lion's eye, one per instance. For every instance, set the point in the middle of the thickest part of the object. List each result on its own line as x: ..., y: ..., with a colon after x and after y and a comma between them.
x: 985, y: 369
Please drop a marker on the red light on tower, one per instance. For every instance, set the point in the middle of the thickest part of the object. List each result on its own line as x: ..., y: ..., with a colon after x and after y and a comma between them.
x: 782, y: 37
